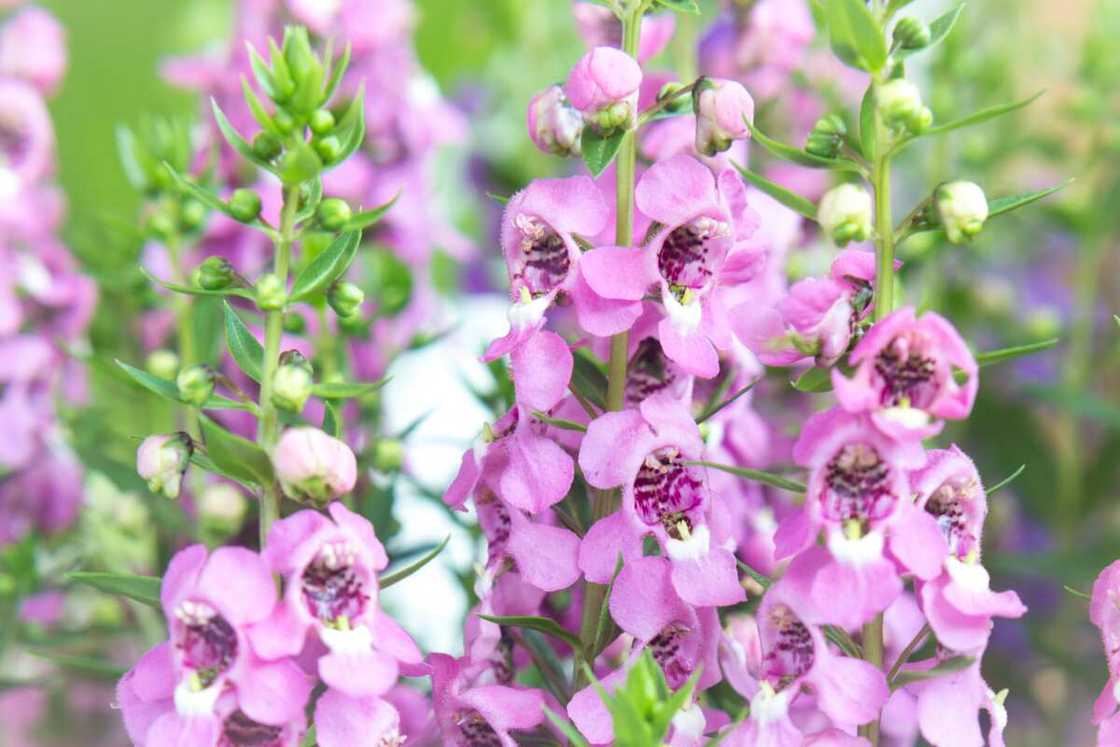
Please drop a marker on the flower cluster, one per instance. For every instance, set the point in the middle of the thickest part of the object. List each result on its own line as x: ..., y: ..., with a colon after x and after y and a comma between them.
x: 1104, y: 611
x: 45, y: 303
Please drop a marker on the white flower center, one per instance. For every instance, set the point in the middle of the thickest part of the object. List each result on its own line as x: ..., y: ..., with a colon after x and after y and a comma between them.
x: 856, y: 551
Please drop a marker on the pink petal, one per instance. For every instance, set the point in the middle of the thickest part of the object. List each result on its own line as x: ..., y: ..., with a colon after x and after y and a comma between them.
x: 344, y: 721
x: 917, y: 541
x: 692, y: 351
x: 619, y: 272
x: 273, y: 693
x: 462, y: 487
x: 239, y: 581
x: 542, y: 368
x: 709, y: 581
x: 676, y: 190
x: 849, y: 690
x: 539, y: 472
x: 361, y: 528
x: 604, y: 542
x: 181, y: 574
x: 288, y: 534
x: 507, y: 707
x: 281, y: 634
x: 546, y: 556
x: 390, y: 638
x: 600, y: 316
x: 604, y: 464
x: 643, y: 601
x: 359, y: 674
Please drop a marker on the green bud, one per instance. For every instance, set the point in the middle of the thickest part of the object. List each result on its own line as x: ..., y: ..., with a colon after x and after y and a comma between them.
x: 292, y: 382
x: 192, y: 213
x: 962, y: 208
x: 162, y: 363
x: 845, y: 214
x: 299, y: 164
x: 910, y: 33
x: 271, y: 293
x: 294, y: 323
x: 306, y: 69
x: 244, y: 205
x: 215, y: 273
x: 329, y: 148
x: 161, y: 224
x: 266, y: 145
x: 334, y: 213
x: 345, y: 298
x: 900, y: 103
x: 196, y: 384
x: 827, y: 136
x: 283, y: 121
x: 321, y: 122
x: 388, y: 455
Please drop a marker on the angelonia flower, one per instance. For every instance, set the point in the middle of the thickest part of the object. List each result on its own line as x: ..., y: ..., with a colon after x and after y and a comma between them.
x: 1104, y: 612
x: 162, y: 461
x: 962, y: 209
x: 313, y: 466
x: 604, y: 87
x: 723, y: 109
x: 555, y: 126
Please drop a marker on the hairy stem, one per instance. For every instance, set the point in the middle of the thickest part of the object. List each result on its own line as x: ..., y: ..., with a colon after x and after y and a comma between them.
x: 268, y: 428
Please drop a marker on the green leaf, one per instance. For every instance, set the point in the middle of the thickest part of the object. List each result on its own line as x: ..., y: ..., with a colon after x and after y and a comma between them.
x: 719, y: 406
x: 235, y: 140
x: 143, y: 589
x: 332, y: 419
x: 367, y: 218
x: 759, y: 579
x: 599, y: 151
x: 256, y: 108
x: 347, y: 389
x: 243, y: 346
x: 309, y: 739
x: 261, y: 72
x: 571, y: 732
x: 169, y: 390
x: 757, y: 475
x: 949, y: 666
x: 191, y: 290
x: 856, y: 36
x: 681, y: 6
x: 338, y: 69
x: 351, y: 128
x: 1005, y: 481
x: 814, y: 381
x: 792, y: 200
x: 982, y: 116
x: 1002, y: 205
x: 800, y: 156
x: 992, y: 357
x: 396, y: 576
x: 588, y: 380
x: 564, y: 425
x: 234, y: 455
x: 309, y: 204
x: 938, y: 30
x: 896, y: 5
x: 868, y: 131
x: 541, y: 625
x: 129, y: 154
x: 330, y: 265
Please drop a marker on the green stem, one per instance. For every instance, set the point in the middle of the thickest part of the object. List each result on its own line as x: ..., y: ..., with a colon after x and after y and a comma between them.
x: 268, y: 428
x: 184, y: 328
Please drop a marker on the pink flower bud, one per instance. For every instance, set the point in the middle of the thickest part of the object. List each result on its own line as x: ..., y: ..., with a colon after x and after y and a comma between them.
x: 604, y: 86
x: 33, y: 48
x: 554, y: 124
x: 162, y: 460
x: 313, y: 466
x: 723, y: 109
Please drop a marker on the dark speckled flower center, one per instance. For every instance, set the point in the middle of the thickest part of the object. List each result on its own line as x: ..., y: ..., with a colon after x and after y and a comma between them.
x: 544, y: 261
x: 792, y: 653
x: 857, y: 485
x: 946, y: 504
x: 475, y: 731
x: 667, y: 650
x: 241, y: 731
x: 206, y: 641
x: 332, y: 589
x: 907, y: 376
x: 666, y: 486
x: 648, y: 373
x: 688, y: 253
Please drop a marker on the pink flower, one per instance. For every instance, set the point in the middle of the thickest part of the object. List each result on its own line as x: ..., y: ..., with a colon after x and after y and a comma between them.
x: 313, y: 466
x: 723, y: 109
x: 946, y: 709
x: 162, y: 460
x: 1104, y: 612
x: 599, y: 27
x: 646, y: 451
x: 28, y: 148
x: 331, y: 590
x: 179, y: 693
x: 905, y: 375
x: 543, y: 555
x: 555, y: 126
x: 470, y: 714
x: 604, y: 86
x: 706, y: 222
x: 539, y: 227
x: 33, y: 48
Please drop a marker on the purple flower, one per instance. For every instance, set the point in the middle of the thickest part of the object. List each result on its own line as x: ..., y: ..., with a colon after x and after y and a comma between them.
x: 555, y: 126
x: 946, y: 709
x: 469, y: 714
x: 1104, y: 611
x: 599, y: 27
x: 33, y: 48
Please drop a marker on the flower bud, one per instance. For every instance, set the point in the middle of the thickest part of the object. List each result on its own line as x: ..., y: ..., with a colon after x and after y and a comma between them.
x: 306, y: 69
x: 345, y: 298
x: 294, y: 323
x: 900, y: 103
x: 191, y: 214
x: 313, y: 466
x: 555, y: 126
x: 284, y: 122
x: 271, y: 293
x: 321, y: 122
x: 334, y: 213
x: 222, y: 508
x: 827, y: 136
x: 723, y: 108
x: 266, y: 145
x: 162, y: 460
x: 216, y: 273
x: 196, y: 384
x: 161, y: 224
x: 162, y: 363
x: 845, y: 214
x: 910, y: 33
x: 291, y: 383
x: 604, y: 86
x: 962, y: 208
x: 244, y: 205
x: 388, y: 455
x: 299, y: 164
x: 329, y: 148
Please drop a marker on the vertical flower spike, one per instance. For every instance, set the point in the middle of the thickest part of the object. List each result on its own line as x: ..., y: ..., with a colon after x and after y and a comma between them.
x: 906, y: 375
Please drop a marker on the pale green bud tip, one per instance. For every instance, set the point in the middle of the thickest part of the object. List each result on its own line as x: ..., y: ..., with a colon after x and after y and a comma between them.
x: 910, y: 33
x: 845, y: 214
x: 271, y: 294
x: 291, y: 386
x: 388, y: 455
x: 245, y: 205
x: 962, y: 208
x: 321, y: 122
x: 334, y: 213
x: 196, y: 384
x: 162, y: 363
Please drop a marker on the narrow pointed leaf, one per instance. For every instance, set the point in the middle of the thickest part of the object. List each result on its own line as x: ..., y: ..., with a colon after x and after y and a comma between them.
x: 256, y: 108
x: 982, y: 116
x: 1002, y: 205
x: 992, y: 357
x: 367, y: 218
x: 332, y: 419
x: 351, y: 128
x: 570, y: 732
x: 347, y: 389
x: 143, y: 589
x: 599, y: 151
x: 949, y: 666
x: 1005, y: 481
x: 234, y: 138
x: 235, y: 455
x: 191, y: 290
x: 792, y: 200
x: 330, y: 265
x: 310, y: 203
x: 856, y: 36
x: 243, y: 346
x: 338, y: 70
x: 540, y: 624
x: 681, y: 6
x: 713, y: 410
x: 800, y: 156
x: 400, y: 574
x: 757, y: 475
x: 261, y: 72
x: 564, y: 425
x: 868, y: 126
x: 169, y: 390
x: 814, y: 381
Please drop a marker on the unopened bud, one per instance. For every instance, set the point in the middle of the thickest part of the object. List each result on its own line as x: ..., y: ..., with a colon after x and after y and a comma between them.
x: 555, y: 126
x: 388, y: 455
x: 900, y: 103
x: 604, y: 86
x: 162, y: 363
x: 962, y: 208
x: 844, y: 214
x: 313, y: 466
x: 334, y: 213
x: 345, y: 298
x: 283, y: 121
x: 329, y: 148
x: 216, y: 273
x: 910, y: 33
x: 191, y: 214
x: 222, y: 508
x: 723, y: 108
x: 321, y: 122
x: 271, y: 293
x: 244, y: 205
x: 161, y: 224
x: 196, y: 384
x: 266, y: 146
x: 162, y: 460
x: 292, y: 382
x: 827, y: 137
x: 294, y: 323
